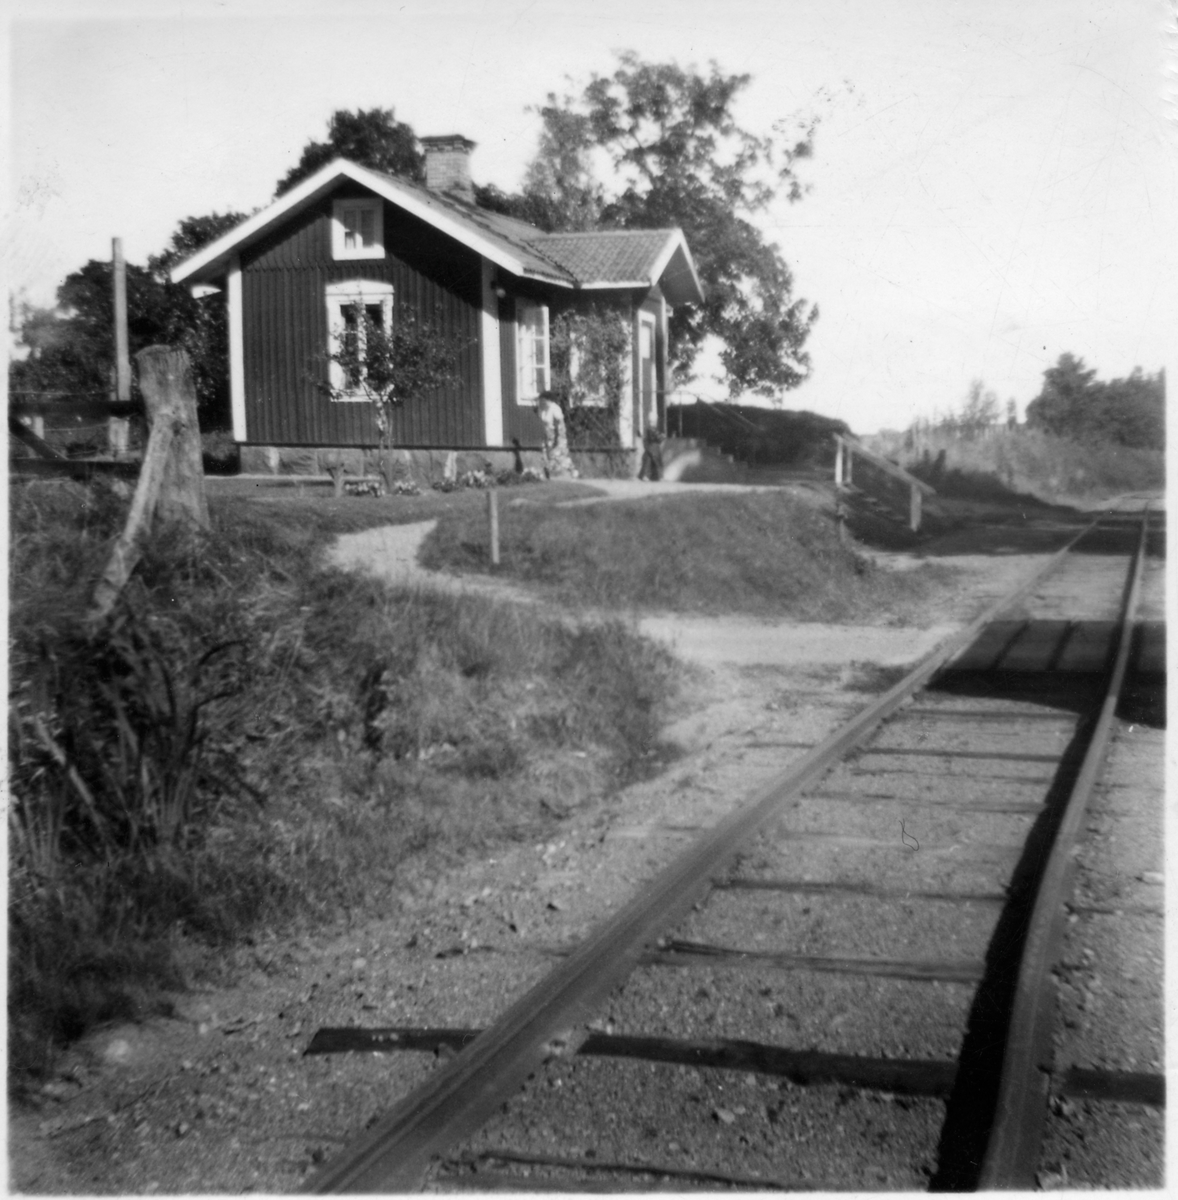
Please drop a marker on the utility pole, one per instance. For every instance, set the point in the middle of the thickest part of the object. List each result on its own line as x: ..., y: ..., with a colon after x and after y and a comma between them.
x: 118, y: 428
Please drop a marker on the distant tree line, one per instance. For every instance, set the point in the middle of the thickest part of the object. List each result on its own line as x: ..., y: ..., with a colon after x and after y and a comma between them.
x: 1073, y: 403
x: 978, y: 415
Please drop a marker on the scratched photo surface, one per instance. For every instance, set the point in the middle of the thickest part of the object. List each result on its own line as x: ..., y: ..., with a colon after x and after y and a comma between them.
x: 587, y: 594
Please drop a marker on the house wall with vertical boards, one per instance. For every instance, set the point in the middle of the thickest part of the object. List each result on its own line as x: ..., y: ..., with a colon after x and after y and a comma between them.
x: 284, y: 282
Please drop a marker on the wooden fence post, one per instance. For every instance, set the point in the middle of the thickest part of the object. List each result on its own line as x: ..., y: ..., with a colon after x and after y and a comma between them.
x: 119, y: 428
x: 171, y: 479
x: 493, y: 522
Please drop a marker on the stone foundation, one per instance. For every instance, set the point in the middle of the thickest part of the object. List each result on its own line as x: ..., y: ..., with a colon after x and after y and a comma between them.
x: 607, y: 464
x: 424, y: 467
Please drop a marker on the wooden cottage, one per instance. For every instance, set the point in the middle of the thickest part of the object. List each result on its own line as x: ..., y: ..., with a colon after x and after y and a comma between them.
x: 351, y: 236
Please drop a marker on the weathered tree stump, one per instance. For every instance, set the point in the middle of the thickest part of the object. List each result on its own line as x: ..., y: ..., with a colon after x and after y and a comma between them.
x: 165, y: 379
x: 170, y: 490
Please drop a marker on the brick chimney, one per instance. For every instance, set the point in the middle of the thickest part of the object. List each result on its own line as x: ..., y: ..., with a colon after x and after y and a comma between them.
x: 447, y: 164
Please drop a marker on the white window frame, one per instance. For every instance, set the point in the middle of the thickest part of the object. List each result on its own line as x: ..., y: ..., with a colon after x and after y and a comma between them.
x: 340, y: 246
x: 646, y: 329
x: 532, y: 370
x: 343, y: 295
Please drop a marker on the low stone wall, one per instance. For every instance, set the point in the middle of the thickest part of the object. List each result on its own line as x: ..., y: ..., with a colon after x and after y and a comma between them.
x: 423, y: 467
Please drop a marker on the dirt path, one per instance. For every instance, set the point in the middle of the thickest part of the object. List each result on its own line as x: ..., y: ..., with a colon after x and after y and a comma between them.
x: 219, y: 1098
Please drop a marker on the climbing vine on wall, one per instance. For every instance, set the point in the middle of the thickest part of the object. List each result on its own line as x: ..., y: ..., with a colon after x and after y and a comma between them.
x: 589, y: 350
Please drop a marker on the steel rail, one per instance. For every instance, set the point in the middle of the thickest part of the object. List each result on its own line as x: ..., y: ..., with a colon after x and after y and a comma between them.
x: 549, y: 1020
x: 1012, y: 1151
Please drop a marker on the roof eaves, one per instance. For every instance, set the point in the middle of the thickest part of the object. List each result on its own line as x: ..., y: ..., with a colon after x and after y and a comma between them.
x: 256, y: 225
x: 674, y: 245
x: 618, y: 284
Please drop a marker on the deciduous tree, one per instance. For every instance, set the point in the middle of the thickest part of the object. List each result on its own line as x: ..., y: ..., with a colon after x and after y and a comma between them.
x: 1074, y: 403
x: 371, y: 137
x: 680, y: 158
x: 71, y: 346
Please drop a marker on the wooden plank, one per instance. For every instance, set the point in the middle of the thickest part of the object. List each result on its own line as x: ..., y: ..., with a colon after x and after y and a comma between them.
x: 1115, y: 1087
x: 990, y: 644
x: 884, y: 464
x: 689, y: 954
x: 23, y: 433
x: 599, y: 1166
x: 913, y: 1077
x: 1037, y: 647
x: 821, y: 888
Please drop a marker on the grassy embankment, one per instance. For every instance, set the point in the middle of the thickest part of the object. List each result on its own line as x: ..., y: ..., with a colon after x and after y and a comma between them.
x: 765, y: 553
x: 1023, y: 461
x: 259, y: 741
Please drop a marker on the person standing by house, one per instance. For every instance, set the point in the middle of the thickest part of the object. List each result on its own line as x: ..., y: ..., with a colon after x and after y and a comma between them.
x: 558, y: 463
x: 652, y: 450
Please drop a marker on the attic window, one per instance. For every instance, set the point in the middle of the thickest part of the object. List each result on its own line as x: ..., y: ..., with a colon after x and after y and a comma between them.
x: 357, y: 229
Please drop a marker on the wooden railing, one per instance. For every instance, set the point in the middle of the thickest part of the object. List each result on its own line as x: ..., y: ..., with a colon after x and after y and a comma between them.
x: 848, y: 448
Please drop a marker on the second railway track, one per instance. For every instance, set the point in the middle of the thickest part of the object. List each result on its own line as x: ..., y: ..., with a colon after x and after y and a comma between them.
x: 818, y: 993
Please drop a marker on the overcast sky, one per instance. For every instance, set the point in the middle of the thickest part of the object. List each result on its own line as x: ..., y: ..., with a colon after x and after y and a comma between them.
x: 994, y: 183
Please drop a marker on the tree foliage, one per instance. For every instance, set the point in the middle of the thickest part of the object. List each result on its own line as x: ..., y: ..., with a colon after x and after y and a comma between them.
x: 679, y: 158
x: 71, y: 346
x: 371, y: 137
x: 1073, y: 403
x: 191, y: 235
x: 589, y: 354
x: 976, y: 417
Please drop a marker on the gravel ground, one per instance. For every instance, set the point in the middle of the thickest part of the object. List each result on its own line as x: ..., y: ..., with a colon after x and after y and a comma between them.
x: 1110, y: 984
x: 220, y: 1098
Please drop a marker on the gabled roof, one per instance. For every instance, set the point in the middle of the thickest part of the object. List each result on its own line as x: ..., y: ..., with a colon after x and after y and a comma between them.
x: 596, y: 259
x: 603, y: 258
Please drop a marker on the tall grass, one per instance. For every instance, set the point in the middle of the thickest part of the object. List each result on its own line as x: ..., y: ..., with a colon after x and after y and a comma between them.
x: 257, y: 740
x: 1003, y: 462
x: 768, y: 553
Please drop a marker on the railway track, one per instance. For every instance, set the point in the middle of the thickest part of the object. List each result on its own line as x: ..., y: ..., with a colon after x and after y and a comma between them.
x: 852, y: 979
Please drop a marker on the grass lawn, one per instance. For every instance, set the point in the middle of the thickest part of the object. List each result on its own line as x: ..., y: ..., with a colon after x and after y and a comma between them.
x: 768, y: 553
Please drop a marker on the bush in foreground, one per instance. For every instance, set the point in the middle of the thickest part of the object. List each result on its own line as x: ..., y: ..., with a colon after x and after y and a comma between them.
x: 257, y: 740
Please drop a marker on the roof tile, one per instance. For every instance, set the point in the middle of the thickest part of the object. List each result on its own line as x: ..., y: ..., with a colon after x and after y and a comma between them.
x: 607, y: 255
